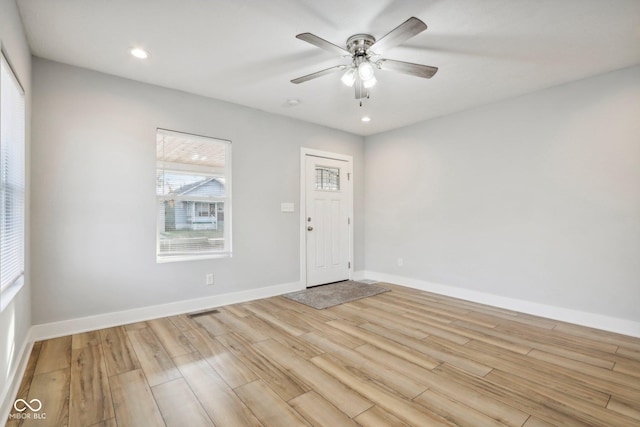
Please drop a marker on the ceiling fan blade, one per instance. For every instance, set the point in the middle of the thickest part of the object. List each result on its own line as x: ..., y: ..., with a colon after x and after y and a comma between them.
x: 318, y: 74
x: 417, y: 70
x: 322, y: 43
x: 402, y: 32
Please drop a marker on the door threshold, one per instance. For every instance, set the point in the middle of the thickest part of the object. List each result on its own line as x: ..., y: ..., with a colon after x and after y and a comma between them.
x: 325, y: 284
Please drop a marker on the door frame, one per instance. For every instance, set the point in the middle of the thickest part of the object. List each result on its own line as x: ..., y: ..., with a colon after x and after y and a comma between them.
x: 304, y: 152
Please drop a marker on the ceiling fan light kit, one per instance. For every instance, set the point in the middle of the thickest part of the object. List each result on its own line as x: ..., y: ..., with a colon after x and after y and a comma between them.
x: 365, y: 70
x: 370, y: 82
x: 349, y: 77
x: 365, y: 52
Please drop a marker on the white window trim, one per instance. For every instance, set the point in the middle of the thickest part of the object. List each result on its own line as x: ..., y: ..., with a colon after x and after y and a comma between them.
x: 227, y: 200
x: 8, y: 294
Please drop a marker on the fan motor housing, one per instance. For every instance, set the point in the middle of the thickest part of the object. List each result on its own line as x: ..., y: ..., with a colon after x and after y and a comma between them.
x: 358, y: 44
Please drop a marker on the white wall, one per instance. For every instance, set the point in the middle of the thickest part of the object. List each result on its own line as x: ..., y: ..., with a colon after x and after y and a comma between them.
x: 535, y: 198
x: 15, y: 320
x: 93, y: 193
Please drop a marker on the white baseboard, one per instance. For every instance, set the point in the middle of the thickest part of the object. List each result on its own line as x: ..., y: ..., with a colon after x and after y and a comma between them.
x: 592, y: 320
x: 10, y: 389
x: 359, y: 275
x: 107, y: 320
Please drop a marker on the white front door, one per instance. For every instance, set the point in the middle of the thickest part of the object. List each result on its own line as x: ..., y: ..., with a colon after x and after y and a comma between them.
x: 326, y: 220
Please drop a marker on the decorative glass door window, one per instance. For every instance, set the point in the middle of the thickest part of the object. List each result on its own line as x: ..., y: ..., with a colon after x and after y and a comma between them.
x: 327, y: 178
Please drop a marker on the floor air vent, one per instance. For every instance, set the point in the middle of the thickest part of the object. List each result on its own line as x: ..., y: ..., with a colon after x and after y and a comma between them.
x: 202, y: 313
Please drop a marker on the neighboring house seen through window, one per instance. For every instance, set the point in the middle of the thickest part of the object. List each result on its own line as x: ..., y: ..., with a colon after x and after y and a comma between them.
x: 193, y: 189
x: 12, y: 184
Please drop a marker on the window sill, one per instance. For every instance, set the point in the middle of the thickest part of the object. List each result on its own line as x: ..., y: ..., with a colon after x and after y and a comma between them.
x: 166, y: 259
x: 9, y: 294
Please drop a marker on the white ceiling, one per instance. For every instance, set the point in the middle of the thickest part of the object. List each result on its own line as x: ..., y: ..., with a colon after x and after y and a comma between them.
x: 245, y: 51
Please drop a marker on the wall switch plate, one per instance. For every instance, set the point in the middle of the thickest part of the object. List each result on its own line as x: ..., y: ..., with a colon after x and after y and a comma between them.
x: 209, y: 279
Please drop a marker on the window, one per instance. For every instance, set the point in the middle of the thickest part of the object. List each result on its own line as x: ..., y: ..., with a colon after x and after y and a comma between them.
x: 12, y: 179
x: 193, y: 189
x: 327, y: 178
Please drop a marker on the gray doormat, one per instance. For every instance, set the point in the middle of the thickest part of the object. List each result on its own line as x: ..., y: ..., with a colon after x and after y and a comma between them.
x: 326, y: 296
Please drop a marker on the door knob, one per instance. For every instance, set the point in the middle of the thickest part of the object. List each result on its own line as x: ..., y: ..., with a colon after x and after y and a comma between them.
x: 310, y: 228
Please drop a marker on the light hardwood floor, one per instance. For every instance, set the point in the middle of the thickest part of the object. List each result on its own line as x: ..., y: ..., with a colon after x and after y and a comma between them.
x: 400, y: 358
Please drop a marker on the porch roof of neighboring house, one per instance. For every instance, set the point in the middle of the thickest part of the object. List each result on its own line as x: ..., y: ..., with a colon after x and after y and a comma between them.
x: 186, y: 189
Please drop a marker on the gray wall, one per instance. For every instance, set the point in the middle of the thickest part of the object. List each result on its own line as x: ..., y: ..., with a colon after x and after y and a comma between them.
x: 535, y: 198
x: 15, y: 320
x: 93, y: 193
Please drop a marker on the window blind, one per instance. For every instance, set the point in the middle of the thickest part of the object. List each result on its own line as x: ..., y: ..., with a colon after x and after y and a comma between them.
x: 12, y: 177
x: 193, y: 188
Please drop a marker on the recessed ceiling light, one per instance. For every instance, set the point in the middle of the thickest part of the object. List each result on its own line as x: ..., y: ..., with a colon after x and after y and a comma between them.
x: 139, y: 53
x: 293, y: 102
x: 366, y: 119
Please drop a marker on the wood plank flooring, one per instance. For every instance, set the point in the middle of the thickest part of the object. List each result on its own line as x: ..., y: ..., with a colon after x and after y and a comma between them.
x: 402, y: 358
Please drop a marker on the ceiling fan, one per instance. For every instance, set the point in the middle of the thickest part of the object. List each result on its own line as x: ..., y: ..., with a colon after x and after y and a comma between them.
x: 365, y: 53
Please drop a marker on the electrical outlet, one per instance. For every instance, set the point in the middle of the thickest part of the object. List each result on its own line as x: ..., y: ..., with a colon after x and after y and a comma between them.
x: 400, y: 262
x: 209, y: 279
